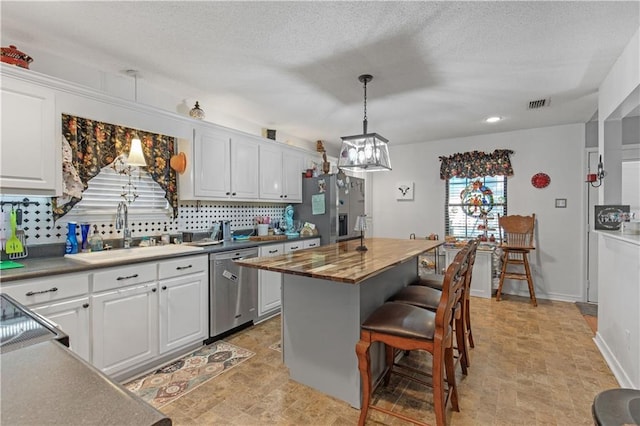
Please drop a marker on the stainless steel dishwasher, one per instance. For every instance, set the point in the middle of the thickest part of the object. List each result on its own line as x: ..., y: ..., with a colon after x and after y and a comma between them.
x: 233, y: 292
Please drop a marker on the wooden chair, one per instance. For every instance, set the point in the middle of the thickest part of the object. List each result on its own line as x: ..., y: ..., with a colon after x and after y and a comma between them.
x: 428, y: 297
x: 516, y: 241
x: 406, y: 327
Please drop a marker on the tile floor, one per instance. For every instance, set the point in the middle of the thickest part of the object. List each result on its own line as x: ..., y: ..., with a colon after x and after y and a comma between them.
x: 530, y: 366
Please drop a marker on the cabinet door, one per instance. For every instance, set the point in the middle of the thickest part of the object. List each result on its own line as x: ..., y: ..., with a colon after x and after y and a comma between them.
x: 271, y: 184
x: 244, y: 168
x: 31, y: 154
x: 184, y: 310
x: 269, y: 282
x: 212, y: 165
x: 125, y: 327
x: 72, y: 317
x: 292, y: 163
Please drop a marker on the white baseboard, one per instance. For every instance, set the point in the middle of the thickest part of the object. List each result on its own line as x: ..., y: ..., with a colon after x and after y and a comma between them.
x: 621, y: 376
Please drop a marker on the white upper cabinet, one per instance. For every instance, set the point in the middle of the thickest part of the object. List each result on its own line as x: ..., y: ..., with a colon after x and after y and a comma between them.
x: 31, y: 161
x: 280, y: 173
x: 221, y: 165
x: 244, y: 167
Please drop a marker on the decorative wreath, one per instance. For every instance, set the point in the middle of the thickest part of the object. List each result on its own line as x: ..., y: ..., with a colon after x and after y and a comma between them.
x: 477, y: 199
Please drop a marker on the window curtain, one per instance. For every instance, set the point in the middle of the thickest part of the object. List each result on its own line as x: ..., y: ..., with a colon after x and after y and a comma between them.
x: 476, y: 164
x: 90, y: 145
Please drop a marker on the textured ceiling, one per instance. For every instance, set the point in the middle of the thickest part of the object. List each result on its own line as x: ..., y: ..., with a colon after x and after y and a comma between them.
x: 440, y: 68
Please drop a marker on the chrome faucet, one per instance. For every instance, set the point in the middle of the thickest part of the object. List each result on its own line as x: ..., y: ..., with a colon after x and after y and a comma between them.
x: 122, y: 222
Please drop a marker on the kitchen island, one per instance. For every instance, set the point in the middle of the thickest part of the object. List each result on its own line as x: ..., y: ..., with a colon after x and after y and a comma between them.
x: 327, y: 292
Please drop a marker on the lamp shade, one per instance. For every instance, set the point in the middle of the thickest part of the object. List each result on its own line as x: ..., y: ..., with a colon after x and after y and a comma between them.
x: 136, y: 157
x: 361, y: 223
x: 364, y: 153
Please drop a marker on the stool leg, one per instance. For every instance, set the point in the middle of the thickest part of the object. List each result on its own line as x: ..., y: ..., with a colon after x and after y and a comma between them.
x: 364, y: 365
x: 451, y: 378
x: 461, y: 342
x: 532, y: 291
x: 505, y: 259
x: 438, y: 386
x: 467, y: 320
x: 389, y: 356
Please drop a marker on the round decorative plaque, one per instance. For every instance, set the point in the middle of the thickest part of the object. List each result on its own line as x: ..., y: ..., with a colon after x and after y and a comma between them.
x: 540, y: 180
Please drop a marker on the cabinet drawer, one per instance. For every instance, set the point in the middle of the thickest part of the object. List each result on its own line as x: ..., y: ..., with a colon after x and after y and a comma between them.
x: 182, y: 266
x: 42, y: 290
x: 271, y: 250
x: 311, y: 243
x: 293, y: 246
x: 124, y: 276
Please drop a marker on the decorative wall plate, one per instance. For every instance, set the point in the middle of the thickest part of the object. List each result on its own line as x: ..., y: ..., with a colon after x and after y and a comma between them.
x: 540, y: 180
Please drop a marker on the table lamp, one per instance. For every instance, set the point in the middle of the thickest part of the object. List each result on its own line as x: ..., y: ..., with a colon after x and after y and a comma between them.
x: 361, y: 225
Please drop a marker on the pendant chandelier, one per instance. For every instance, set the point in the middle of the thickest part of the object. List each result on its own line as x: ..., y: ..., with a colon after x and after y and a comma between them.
x: 367, y: 152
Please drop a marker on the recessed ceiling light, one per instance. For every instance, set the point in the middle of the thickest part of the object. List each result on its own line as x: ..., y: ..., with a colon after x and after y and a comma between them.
x: 493, y: 119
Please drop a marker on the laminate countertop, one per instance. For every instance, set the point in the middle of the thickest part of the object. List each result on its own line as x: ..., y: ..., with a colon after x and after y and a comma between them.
x: 46, y: 384
x: 342, y: 262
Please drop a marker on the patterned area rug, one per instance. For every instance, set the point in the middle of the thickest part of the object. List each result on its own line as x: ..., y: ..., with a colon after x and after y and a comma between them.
x: 276, y: 346
x: 184, y: 375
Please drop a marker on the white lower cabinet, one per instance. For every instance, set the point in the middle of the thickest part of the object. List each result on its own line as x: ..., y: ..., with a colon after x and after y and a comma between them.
x: 184, y: 303
x: 125, y: 327
x: 72, y: 317
x: 269, y: 283
x: 62, y: 299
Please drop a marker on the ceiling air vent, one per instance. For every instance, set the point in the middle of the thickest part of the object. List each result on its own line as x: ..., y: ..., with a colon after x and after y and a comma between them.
x: 540, y: 103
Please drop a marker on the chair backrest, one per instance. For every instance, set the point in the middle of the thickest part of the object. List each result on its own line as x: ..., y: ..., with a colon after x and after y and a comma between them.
x: 452, y: 293
x: 473, y: 248
x: 516, y: 230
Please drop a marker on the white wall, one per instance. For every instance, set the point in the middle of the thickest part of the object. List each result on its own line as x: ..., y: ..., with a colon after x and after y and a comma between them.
x: 558, y: 151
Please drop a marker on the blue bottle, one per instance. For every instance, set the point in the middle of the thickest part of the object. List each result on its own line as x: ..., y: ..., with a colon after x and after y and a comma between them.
x: 71, y: 246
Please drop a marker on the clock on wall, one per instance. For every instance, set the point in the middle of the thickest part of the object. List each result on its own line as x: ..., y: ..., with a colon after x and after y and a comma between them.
x: 540, y: 180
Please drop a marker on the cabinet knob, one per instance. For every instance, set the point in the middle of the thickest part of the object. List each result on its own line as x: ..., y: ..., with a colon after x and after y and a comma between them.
x: 164, y: 287
x: 273, y: 251
x: 85, y: 305
x: 281, y: 195
x: 154, y: 289
x: 233, y: 193
x: 228, y: 193
x: 285, y: 196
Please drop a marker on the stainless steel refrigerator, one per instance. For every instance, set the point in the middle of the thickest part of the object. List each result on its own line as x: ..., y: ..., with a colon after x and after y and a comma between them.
x: 332, y: 204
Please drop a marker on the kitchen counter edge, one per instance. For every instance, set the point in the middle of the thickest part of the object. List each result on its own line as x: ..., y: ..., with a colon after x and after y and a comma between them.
x: 46, y: 266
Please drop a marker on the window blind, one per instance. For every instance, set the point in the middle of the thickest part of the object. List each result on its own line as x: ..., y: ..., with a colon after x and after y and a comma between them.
x: 104, y: 193
x: 471, y: 205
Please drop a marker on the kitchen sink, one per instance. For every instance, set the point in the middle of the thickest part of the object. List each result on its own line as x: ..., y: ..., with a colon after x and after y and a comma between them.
x: 107, y: 256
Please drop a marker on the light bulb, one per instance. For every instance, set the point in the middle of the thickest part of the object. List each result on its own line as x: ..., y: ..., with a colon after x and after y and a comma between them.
x: 368, y: 150
x: 353, y: 155
x: 361, y: 156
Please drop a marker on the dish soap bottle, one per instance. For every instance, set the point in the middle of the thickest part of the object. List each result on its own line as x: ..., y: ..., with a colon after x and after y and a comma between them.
x: 95, y: 242
x: 71, y: 246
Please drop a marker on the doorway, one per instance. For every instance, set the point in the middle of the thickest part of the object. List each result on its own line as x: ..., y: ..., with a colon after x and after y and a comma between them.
x: 592, y: 237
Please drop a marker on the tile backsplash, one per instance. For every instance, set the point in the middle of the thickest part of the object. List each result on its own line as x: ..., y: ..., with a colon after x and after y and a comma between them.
x: 39, y: 227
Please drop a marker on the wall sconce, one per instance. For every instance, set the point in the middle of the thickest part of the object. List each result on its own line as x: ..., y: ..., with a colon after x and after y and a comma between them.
x: 361, y: 225
x: 597, y: 177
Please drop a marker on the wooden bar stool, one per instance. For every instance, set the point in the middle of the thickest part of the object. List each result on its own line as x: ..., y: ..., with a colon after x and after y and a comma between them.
x: 435, y: 281
x: 427, y: 297
x: 407, y: 327
x: 516, y: 241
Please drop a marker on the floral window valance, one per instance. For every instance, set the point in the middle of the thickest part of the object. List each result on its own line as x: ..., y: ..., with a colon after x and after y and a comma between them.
x: 476, y: 164
x: 90, y: 145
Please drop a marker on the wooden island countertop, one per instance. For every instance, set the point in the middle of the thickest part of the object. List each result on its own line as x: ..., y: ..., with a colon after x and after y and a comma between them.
x: 341, y: 262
